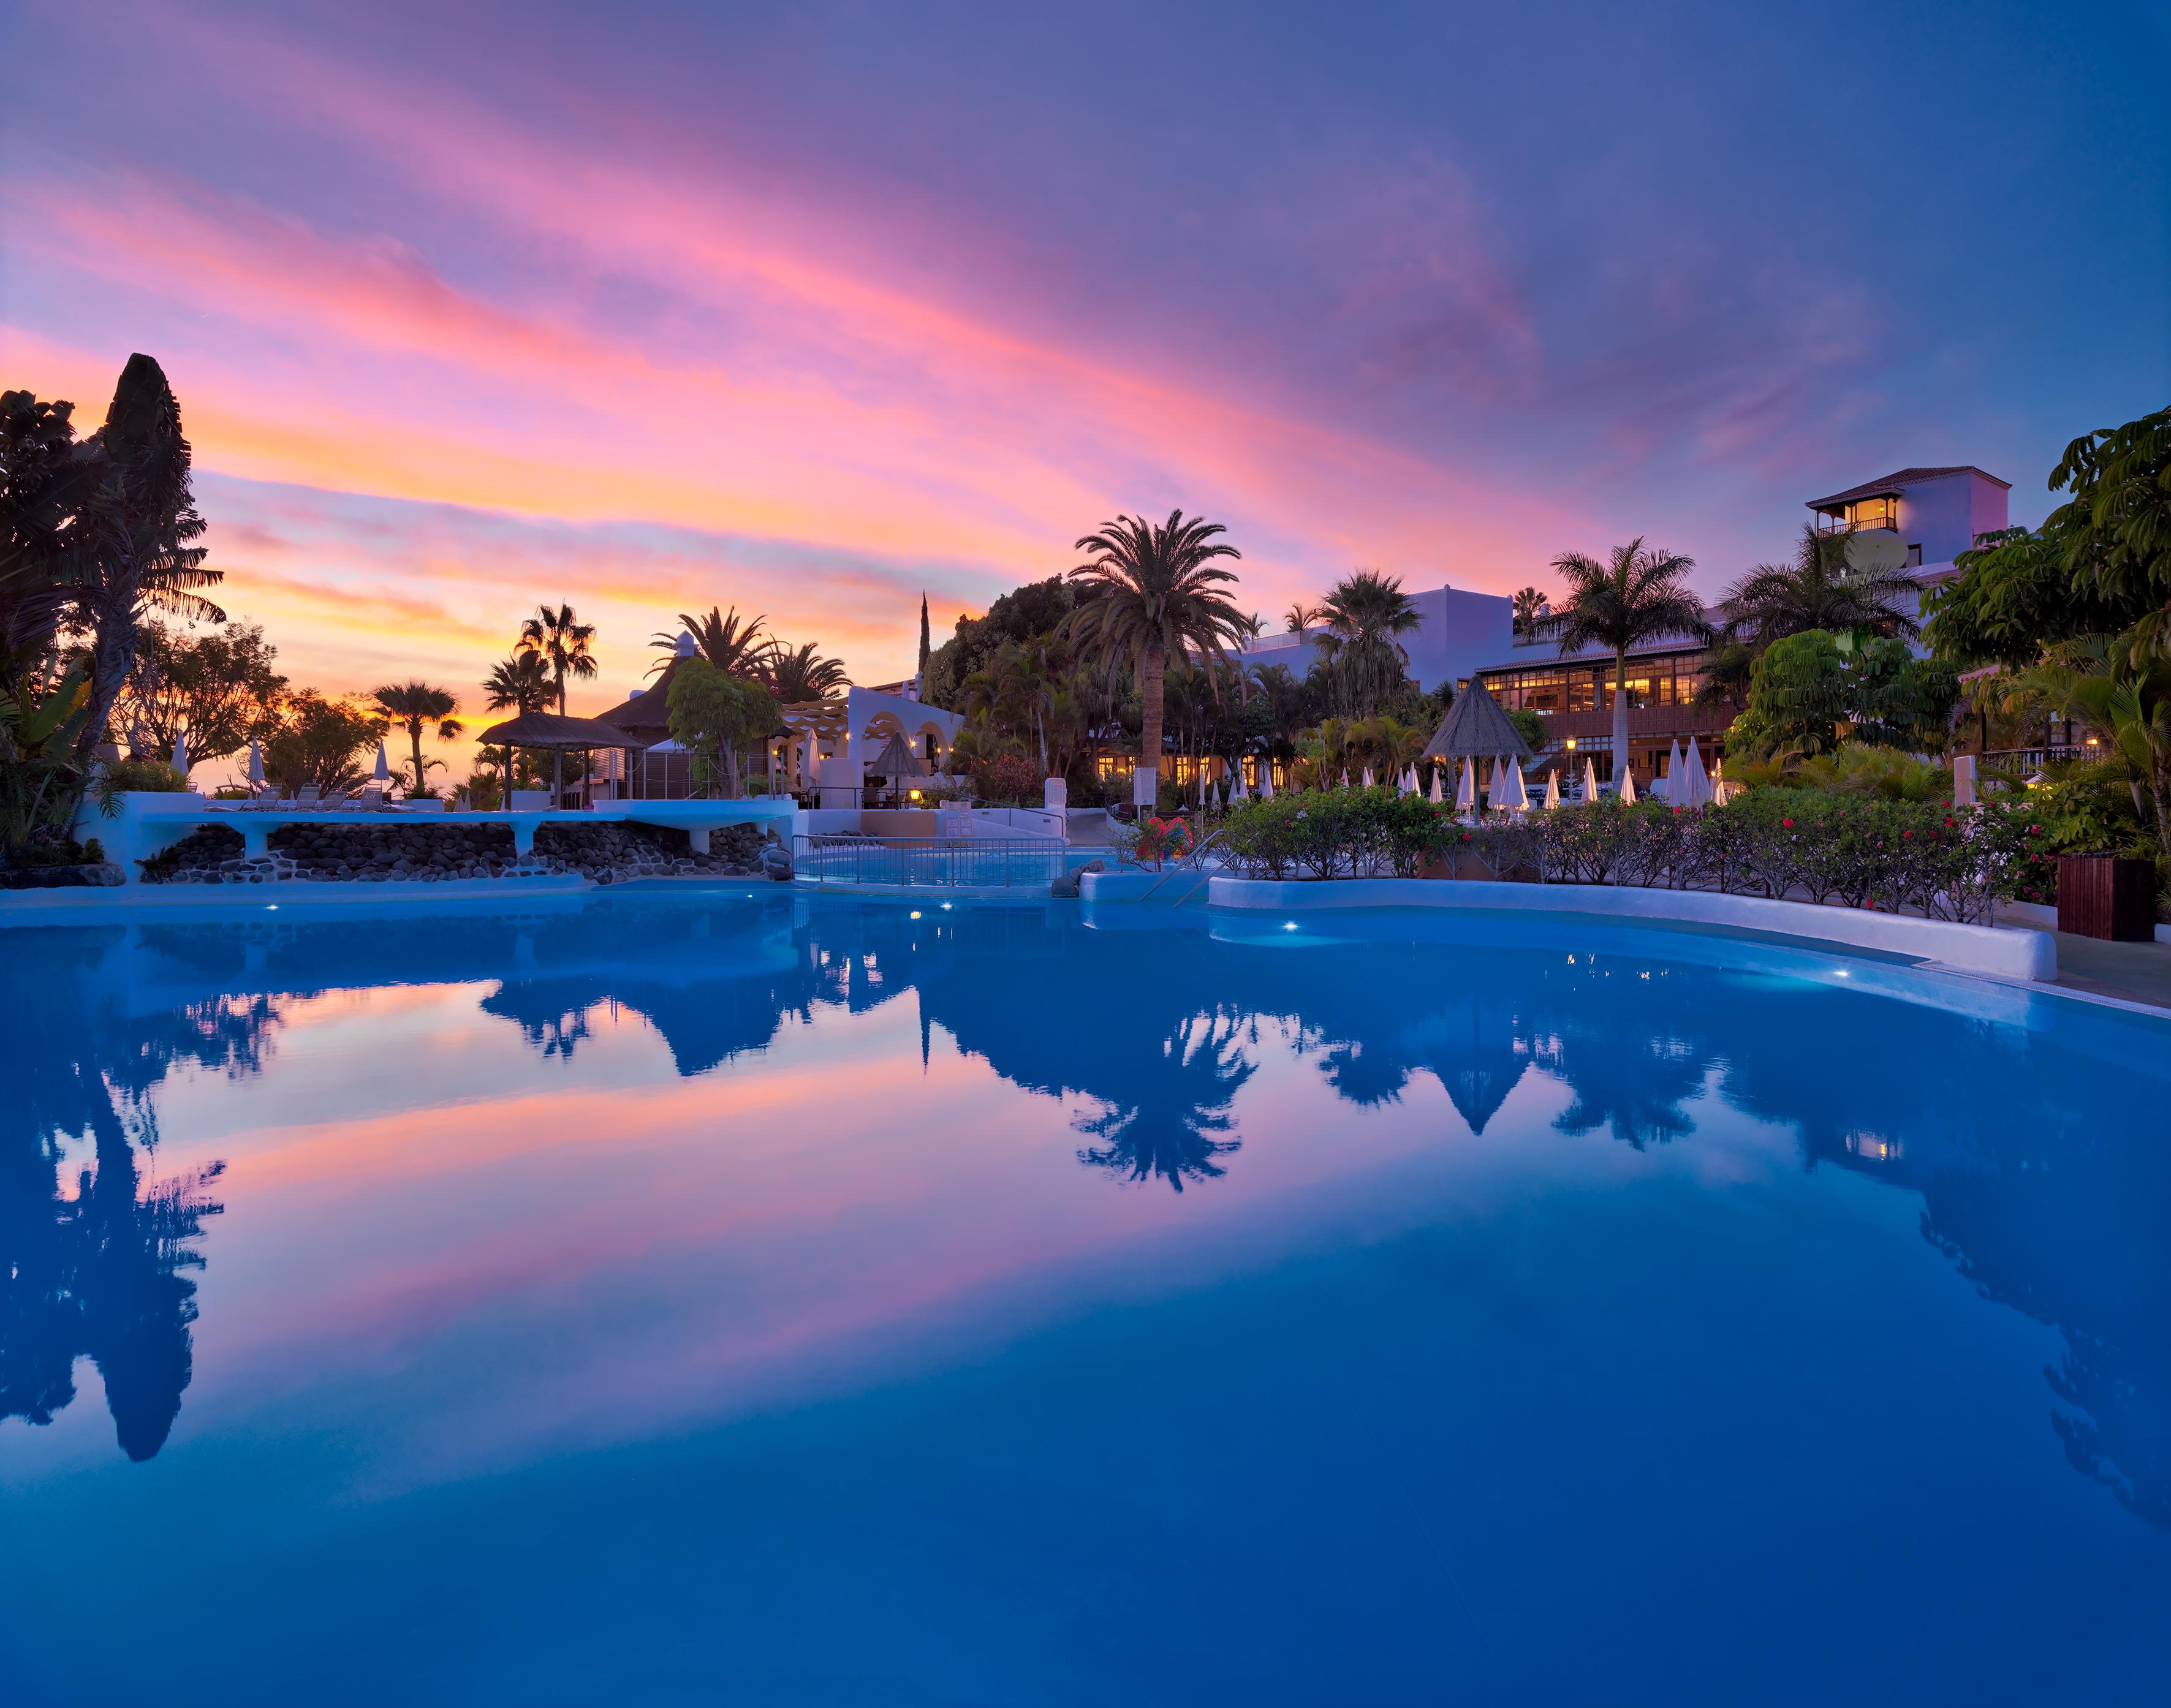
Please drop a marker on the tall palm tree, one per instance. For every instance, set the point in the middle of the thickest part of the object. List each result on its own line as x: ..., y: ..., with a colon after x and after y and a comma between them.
x: 1818, y: 590
x: 417, y: 705
x: 1155, y: 595
x: 1530, y: 605
x: 561, y: 640
x: 517, y: 684
x: 1300, y: 617
x: 1639, y: 593
x: 1365, y: 612
x: 800, y: 675
x: 736, y: 646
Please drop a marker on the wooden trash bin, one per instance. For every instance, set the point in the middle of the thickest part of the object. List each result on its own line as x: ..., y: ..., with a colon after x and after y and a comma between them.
x: 2105, y: 896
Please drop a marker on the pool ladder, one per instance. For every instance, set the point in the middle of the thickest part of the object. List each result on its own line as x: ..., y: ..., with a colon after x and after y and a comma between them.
x: 1205, y: 877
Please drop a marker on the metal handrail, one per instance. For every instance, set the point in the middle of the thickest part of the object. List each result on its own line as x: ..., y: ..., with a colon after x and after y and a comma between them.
x: 1194, y: 856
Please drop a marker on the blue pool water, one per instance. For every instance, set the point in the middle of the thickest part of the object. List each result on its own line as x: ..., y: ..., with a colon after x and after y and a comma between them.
x: 794, y: 1298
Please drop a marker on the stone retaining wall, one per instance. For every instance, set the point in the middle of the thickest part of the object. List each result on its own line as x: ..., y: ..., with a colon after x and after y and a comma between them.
x: 404, y: 851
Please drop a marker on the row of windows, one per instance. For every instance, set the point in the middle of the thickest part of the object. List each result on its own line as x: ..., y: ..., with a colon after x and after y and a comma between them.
x: 1588, y: 687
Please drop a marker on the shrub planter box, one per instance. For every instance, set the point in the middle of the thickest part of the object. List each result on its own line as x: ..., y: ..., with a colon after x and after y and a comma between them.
x: 2104, y: 896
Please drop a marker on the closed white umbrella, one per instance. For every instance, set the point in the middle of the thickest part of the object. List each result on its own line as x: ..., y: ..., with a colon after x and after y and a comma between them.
x: 1696, y: 786
x: 1345, y: 776
x: 382, y: 774
x: 1465, y: 792
x: 1552, y: 789
x: 256, y: 764
x: 1266, y: 779
x: 1628, y: 788
x: 181, y: 754
x: 1590, y: 779
x: 1438, y: 795
x: 1674, y: 771
x: 1496, y: 790
x: 1410, y: 780
x: 1517, y: 798
x: 1368, y: 777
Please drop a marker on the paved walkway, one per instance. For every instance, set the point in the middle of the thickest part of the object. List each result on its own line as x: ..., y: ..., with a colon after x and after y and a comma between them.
x: 2136, y: 971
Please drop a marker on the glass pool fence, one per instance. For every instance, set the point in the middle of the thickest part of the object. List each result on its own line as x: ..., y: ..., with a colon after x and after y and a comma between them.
x: 1006, y: 862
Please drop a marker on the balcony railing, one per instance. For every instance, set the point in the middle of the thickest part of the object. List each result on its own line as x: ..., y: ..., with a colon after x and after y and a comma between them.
x: 1888, y: 520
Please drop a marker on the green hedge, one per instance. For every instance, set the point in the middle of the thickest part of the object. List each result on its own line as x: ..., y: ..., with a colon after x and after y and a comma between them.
x: 1846, y: 850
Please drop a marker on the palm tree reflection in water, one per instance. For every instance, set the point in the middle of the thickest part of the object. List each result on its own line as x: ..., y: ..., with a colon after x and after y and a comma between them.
x: 1169, y: 1124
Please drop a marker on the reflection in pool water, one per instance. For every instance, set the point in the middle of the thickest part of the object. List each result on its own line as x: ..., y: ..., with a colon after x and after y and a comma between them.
x: 652, y: 1297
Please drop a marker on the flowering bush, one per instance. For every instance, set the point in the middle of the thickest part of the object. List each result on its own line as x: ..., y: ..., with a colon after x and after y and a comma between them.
x: 1159, y: 839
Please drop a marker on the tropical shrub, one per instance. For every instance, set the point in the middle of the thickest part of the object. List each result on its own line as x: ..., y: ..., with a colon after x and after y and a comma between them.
x: 1824, y: 846
x: 1337, y: 833
x: 716, y: 716
x: 1812, y: 691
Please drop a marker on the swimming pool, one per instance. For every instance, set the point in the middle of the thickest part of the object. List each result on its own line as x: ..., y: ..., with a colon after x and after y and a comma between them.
x: 790, y: 1298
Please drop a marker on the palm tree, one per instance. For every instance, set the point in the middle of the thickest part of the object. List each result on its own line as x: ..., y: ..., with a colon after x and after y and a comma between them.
x: 562, y: 641
x: 1365, y: 612
x: 736, y: 647
x: 1156, y: 595
x: 415, y: 704
x: 1530, y: 605
x: 517, y: 684
x: 1818, y: 590
x: 795, y: 677
x: 1300, y: 617
x: 1638, y: 594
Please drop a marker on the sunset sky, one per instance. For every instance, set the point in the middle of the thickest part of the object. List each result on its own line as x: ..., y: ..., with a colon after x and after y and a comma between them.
x: 807, y: 309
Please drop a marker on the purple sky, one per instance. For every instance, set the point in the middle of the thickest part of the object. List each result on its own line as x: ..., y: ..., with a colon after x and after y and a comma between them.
x: 650, y: 307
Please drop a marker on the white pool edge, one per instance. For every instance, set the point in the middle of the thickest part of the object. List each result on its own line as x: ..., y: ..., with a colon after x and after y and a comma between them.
x: 1997, y: 952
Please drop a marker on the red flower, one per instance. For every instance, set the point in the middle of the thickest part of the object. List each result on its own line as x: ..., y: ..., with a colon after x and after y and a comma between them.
x: 1906, y: 832
x: 1787, y: 823
x: 1948, y: 824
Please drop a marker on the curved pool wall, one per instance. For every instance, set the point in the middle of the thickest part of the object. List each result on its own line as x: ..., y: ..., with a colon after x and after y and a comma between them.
x: 676, y: 1294
x: 2002, y: 952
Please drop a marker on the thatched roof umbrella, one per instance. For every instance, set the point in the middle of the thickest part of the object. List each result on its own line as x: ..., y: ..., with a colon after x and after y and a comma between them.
x: 1476, y: 728
x: 549, y: 732
x: 897, y: 761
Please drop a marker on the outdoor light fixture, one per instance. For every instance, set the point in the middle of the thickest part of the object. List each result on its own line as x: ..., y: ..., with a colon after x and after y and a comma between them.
x: 915, y: 913
x: 1289, y: 925
x: 1571, y: 744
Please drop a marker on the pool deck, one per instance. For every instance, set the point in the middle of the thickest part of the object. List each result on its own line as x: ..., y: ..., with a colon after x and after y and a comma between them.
x: 2134, y: 972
